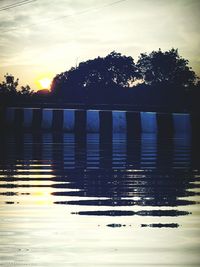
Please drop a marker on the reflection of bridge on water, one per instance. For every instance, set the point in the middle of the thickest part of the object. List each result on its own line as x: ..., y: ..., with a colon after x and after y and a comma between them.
x: 155, y: 174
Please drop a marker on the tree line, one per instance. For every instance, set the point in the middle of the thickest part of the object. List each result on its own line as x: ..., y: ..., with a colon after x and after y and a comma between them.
x: 159, y: 79
x: 11, y: 94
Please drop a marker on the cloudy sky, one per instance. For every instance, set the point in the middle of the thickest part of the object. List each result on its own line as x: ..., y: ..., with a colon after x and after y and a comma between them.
x: 40, y: 38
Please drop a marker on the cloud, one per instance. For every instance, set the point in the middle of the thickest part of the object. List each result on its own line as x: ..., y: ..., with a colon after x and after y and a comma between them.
x: 53, y: 34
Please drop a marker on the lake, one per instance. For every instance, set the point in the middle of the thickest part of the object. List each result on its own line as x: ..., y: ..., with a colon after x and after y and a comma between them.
x: 92, y: 201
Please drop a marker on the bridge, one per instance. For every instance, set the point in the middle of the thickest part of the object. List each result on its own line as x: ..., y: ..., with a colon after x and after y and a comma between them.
x: 98, y: 121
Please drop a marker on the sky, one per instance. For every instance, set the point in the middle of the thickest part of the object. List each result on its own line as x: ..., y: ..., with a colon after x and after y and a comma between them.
x: 42, y: 38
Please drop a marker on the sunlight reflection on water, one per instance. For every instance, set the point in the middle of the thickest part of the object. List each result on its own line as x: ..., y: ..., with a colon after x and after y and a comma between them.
x: 95, y: 203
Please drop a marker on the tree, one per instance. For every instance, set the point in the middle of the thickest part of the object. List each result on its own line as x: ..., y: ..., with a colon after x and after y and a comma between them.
x: 9, y: 92
x: 9, y: 86
x: 94, y: 77
x: 26, y: 90
x: 165, y: 67
x: 159, y: 79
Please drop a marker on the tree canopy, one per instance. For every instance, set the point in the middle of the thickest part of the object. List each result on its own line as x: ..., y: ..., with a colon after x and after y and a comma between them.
x: 11, y: 94
x: 165, y: 67
x: 9, y: 87
x: 114, y: 70
x: 159, y: 79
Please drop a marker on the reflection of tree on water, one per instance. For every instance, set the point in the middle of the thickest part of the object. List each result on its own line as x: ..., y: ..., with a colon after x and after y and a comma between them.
x: 159, y: 184
x: 142, y: 171
x: 196, y: 141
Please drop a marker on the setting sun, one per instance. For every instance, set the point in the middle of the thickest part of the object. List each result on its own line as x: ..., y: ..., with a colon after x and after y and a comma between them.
x: 45, y: 83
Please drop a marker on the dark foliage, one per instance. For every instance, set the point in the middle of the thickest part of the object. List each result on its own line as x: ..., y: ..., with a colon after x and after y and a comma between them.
x: 9, y: 92
x: 165, y: 67
x: 97, y: 81
x: 159, y: 79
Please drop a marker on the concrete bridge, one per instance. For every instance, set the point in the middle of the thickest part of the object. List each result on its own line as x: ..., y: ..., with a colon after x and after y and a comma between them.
x: 97, y: 121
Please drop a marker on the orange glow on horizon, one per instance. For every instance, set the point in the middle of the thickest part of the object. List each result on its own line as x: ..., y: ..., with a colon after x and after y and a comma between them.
x: 43, y: 81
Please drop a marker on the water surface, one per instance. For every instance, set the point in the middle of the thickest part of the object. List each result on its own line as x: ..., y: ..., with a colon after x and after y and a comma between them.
x: 68, y: 201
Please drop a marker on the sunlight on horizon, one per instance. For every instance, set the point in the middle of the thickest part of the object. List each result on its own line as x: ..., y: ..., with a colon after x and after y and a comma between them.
x: 43, y: 79
x: 75, y: 31
x: 44, y: 83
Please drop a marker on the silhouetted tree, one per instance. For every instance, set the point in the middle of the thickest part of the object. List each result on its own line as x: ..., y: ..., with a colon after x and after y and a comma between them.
x: 26, y: 90
x: 96, y: 79
x: 9, y: 86
x: 10, y: 94
x: 165, y: 67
